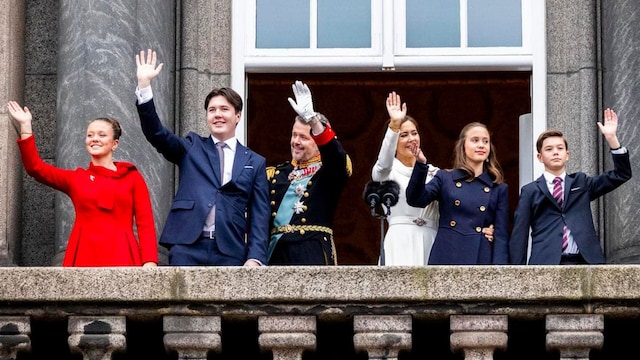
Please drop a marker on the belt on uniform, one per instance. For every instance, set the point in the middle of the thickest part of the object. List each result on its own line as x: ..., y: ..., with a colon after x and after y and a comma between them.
x: 287, y: 229
x: 208, y: 234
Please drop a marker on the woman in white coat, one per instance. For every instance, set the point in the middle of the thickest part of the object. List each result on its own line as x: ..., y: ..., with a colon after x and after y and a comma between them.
x: 411, y: 230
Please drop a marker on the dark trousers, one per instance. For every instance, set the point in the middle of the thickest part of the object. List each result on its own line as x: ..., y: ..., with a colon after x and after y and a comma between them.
x: 202, y: 252
x: 572, y: 259
x: 303, y: 252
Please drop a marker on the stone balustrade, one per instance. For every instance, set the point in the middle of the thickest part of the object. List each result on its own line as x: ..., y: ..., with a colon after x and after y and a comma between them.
x: 287, y: 313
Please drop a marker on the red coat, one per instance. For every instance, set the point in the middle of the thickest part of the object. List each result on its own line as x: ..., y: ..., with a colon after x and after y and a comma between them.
x: 106, y: 202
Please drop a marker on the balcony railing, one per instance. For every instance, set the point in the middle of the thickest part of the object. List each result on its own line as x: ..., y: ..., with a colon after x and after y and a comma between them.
x: 345, y: 312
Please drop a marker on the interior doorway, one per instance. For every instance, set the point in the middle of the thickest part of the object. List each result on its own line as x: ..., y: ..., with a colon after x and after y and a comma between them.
x: 442, y: 103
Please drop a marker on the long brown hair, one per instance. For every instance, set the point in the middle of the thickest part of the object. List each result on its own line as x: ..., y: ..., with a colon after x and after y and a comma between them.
x: 491, y: 165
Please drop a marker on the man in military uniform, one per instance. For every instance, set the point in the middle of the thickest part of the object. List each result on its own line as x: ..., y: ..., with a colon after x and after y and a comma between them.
x: 305, y: 191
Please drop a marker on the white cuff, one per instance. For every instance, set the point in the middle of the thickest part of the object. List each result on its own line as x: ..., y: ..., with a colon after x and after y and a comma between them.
x: 144, y: 95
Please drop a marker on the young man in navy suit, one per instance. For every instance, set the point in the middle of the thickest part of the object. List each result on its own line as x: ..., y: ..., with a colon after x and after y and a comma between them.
x: 559, y: 215
x: 222, y: 183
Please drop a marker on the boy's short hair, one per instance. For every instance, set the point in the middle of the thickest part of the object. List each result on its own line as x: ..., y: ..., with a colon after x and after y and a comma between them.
x: 550, y: 133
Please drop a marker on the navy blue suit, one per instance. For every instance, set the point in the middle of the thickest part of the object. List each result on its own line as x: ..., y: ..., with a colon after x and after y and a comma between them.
x: 465, y: 208
x: 244, y: 197
x: 539, y: 211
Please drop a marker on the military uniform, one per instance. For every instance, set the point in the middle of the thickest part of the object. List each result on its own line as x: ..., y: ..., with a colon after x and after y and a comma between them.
x: 303, y: 199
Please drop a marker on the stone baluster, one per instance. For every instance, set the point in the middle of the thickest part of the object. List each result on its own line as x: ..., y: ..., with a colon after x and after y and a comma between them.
x: 574, y: 335
x: 14, y: 336
x: 192, y: 337
x: 382, y: 336
x: 478, y: 336
x: 287, y: 337
x: 97, y: 338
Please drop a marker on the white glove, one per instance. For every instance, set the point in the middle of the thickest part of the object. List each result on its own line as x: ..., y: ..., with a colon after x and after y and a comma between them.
x: 303, y: 105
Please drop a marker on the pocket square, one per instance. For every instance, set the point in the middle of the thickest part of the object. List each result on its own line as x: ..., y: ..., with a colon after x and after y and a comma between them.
x: 575, y: 189
x: 248, y: 167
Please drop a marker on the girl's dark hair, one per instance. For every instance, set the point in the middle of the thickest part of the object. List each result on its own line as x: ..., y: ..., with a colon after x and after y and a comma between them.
x: 228, y: 93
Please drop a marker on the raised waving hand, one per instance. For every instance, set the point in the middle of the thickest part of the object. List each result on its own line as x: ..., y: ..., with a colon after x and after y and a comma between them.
x: 146, y: 69
x: 396, y: 109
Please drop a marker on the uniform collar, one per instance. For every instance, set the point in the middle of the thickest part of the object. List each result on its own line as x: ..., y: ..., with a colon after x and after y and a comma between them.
x: 305, y: 163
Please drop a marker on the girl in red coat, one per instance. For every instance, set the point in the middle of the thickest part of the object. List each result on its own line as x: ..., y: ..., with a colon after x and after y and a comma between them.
x: 107, y: 198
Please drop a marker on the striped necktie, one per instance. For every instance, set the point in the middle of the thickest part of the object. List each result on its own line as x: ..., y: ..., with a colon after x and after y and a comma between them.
x: 558, y: 195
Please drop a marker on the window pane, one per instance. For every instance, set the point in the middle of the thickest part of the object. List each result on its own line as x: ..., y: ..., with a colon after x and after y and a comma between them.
x: 495, y: 23
x: 282, y: 24
x: 344, y: 23
x: 433, y: 23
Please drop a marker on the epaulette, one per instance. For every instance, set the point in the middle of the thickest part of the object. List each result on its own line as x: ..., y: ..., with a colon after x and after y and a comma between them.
x: 271, y: 171
x: 349, y: 166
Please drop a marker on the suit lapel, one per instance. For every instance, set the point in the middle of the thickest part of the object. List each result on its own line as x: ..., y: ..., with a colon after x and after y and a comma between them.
x: 541, y: 182
x: 568, y: 183
x: 240, y: 160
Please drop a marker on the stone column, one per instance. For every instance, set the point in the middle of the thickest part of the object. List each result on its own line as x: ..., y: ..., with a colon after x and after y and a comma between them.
x: 97, y: 77
x: 574, y: 335
x: 382, y: 336
x: 621, y: 86
x: 192, y: 337
x: 478, y: 336
x: 12, y: 22
x: 97, y: 338
x: 14, y: 336
x: 205, y: 60
x: 287, y: 337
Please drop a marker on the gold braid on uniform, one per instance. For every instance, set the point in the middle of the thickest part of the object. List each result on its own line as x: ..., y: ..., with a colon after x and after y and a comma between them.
x: 271, y: 171
x: 303, y: 164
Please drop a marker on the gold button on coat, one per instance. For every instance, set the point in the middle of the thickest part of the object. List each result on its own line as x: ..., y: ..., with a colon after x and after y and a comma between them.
x: 273, y: 192
x: 486, y: 189
x: 277, y: 172
x: 301, y: 232
x: 273, y: 181
x: 303, y: 220
x: 452, y: 223
x: 273, y: 203
x: 458, y: 184
x: 478, y: 229
x: 457, y: 202
x: 306, y: 194
x: 482, y: 208
x: 273, y: 214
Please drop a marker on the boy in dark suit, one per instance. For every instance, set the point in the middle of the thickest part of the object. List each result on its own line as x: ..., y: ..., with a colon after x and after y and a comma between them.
x: 556, y: 207
x: 222, y: 183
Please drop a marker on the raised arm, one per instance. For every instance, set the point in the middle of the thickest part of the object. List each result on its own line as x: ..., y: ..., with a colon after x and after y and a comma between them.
x: 397, y: 111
